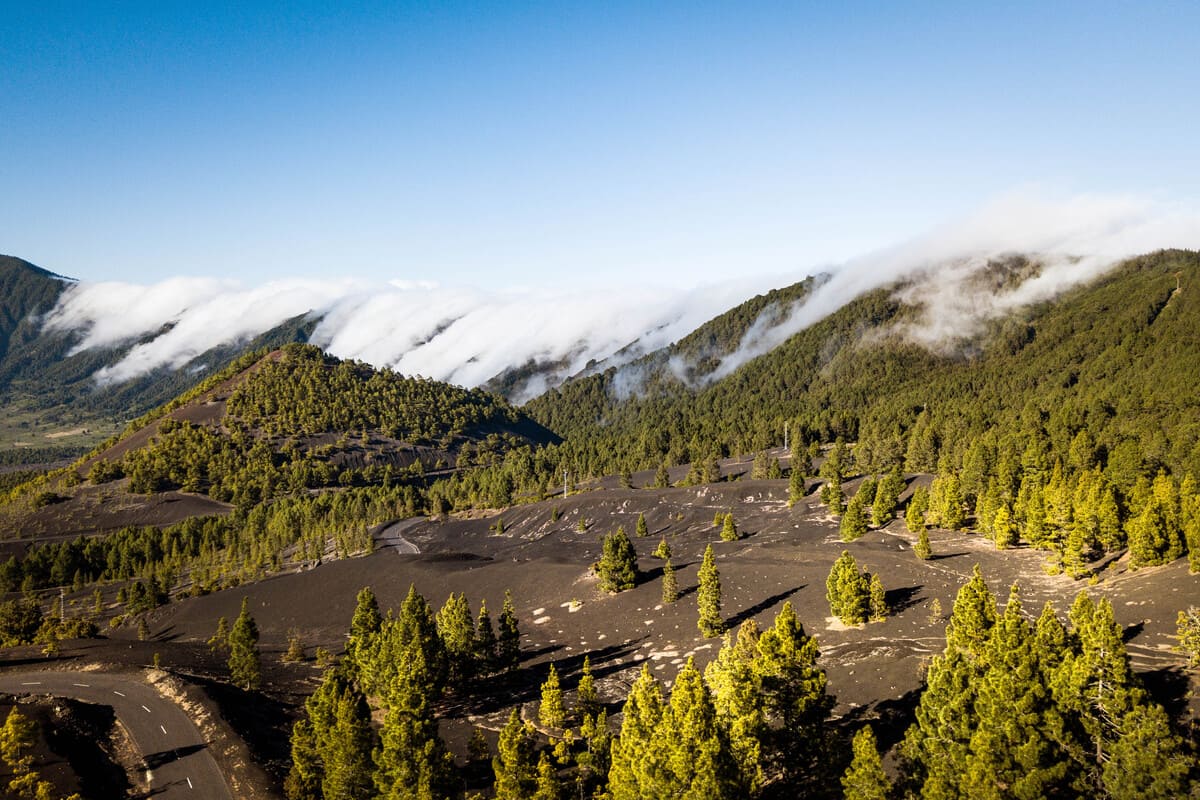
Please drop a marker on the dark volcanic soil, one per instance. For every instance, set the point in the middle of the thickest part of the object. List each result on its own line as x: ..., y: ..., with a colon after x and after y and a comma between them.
x: 785, y: 554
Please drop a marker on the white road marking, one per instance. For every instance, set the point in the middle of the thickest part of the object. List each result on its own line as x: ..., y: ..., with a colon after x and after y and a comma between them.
x: 189, y: 783
x: 32, y: 683
x: 161, y: 728
x: 146, y: 709
x: 84, y: 685
x: 118, y: 694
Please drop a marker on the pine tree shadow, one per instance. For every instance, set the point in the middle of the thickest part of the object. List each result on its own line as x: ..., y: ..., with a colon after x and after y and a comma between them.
x: 262, y: 721
x: 900, y: 599
x: 888, y: 718
x: 155, y: 760
x: 756, y: 609
x: 1170, y: 687
x: 656, y: 573
x: 499, y: 691
x: 944, y: 556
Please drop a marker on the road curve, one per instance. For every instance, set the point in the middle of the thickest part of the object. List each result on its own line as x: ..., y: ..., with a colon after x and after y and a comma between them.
x: 173, y: 751
x: 391, y: 536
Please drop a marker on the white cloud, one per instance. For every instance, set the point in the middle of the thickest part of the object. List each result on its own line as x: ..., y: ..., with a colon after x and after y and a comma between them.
x: 468, y: 336
x: 1076, y: 238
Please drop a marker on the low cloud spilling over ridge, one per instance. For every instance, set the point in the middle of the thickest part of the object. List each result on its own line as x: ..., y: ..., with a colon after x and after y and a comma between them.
x: 464, y: 336
x: 1074, y: 240
x: 468, y: 336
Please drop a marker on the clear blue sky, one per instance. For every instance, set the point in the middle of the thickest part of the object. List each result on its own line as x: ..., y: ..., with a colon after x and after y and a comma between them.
x: 512, y: 143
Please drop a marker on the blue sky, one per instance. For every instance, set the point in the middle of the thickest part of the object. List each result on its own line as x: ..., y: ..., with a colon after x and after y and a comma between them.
x: 516, y: 144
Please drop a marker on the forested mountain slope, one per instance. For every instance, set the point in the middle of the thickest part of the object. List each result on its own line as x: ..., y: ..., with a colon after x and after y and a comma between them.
x: 49, y: 386
x: 1115, y: 360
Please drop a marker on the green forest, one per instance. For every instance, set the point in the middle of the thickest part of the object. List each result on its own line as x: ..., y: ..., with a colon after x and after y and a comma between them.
x: 1070, y: 427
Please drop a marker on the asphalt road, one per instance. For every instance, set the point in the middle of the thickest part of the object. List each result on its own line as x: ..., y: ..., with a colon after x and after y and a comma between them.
x: 173, y: 751
x: 391, y: 536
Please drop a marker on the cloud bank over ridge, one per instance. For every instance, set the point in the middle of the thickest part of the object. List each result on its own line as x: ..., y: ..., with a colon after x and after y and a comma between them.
x: 468, y: 336
x: 1075, y: 239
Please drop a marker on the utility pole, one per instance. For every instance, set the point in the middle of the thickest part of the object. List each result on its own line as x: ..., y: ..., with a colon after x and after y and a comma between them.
x: 62, y: 600
x: 565, y: 473
x: 785, y: 435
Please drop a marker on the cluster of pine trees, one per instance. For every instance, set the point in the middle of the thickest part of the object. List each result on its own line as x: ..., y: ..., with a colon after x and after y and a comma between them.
x: 403, y: 664
x: 756, y: 714
x: 1074, y: 509
x: 204, y: 554
x: 1098, y: 361
x: 306, y: 392
x: 18, y: 737
x: 1021, y: 708
x: 854, y: 597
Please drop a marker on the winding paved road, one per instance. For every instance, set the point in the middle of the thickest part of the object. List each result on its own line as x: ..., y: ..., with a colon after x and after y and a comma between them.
x: 391, y: 536
x: 173, y: 751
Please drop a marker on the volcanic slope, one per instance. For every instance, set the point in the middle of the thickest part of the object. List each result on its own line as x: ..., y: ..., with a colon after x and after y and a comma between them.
x: 542, y: 553
x: 285, y: 423
x: 54, y: 407
x: 1116, y: 357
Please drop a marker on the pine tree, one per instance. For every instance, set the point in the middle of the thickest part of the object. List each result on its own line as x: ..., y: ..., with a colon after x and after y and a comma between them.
x: 729, y: 531
x: 761, y: 470
x: 922, y: 548
x: 1096, y: 682
x: 347, y: 751
x: 708, y: 597
x: 641, y: 529
x: 486, y: 653
x: 972, y: 618
x: 950, y: 507
x: 510, y: 636
x: 878, y: 600
x: 1004, y: 533
x: 698, y: 760
x: 847, y: 591
x: 219, y: 641
x: 547, y: 787
x: 1010, y: 752
x: 1187, y: 628
x: 408, y: 643
x: 887, y: 494
x: 854, y: 521
x: 936, y: 746
x: 457, y: 631
x: 617, y: 567
x: 914, y: 514
x: 1156, y: 535
x: 670, y: 584
x: 588, y: 700
x: 303, y: 780
x: 661, y: 478
x: 865, y: 778
x: 364, y: 627
x: 551, y: 712
x: 1073, y: 559
x: 633, y: 770
x: 801, y: 462
x: 796, y: 488
x: 412, y: 762
x: 794, y: 687
x: 1147, y: 760
x: 245, y: 667
x: 515, y: 777
x: 736, y: 687
x: 663, y: 550
x: 833, y: 496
